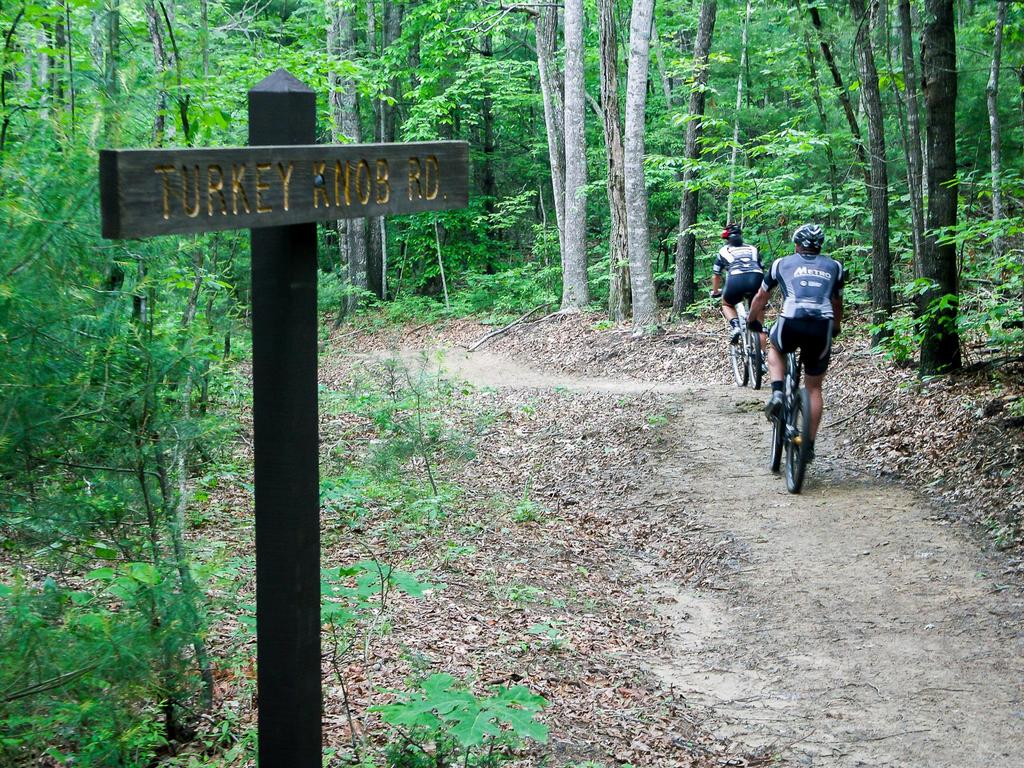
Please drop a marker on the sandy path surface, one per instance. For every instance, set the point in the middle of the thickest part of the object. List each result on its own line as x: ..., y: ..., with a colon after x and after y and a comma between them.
x: 847, y: 626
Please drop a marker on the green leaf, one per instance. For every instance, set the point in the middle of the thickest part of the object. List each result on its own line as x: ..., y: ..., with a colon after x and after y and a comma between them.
x: 101, y: 574
x: 145, y: 573
x: 471, y: 728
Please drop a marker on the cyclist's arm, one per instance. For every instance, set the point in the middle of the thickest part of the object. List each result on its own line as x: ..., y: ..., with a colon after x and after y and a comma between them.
x: 758, y: 305
x: 837, y: 300
x: 716, y: 282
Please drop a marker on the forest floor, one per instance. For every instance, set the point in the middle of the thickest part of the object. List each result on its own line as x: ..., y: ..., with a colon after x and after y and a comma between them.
x: 616, y: 544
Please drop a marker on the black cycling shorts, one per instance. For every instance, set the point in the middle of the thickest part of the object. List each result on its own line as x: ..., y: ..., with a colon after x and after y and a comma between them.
x: 741, y: 286
x: 811, y: 335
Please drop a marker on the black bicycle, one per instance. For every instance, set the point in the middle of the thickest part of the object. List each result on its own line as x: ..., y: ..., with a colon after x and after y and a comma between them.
x: 746, y: 354
x: 791, y: 428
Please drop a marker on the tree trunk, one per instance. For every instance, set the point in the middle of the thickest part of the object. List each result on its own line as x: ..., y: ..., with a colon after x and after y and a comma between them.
x: 878, y: 188
x: 645, y: 305
x: 618, y: 246
x: 575, y: 291
x: 992, y: 92
x: 841, y: 93
x: 345, y: 127
x: 684, y: 292
x: 488, y: 184
x: 915, y: 162
x: 204, y: 34
x: 833, y: 171
x: 739, y: 104
x: 546, y: 27
x: 659, y: 59
x: 112, y: 52
x: 153, y: 24
x: 940, y: 346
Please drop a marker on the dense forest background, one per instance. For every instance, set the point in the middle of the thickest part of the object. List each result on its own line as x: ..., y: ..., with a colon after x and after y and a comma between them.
x: 609, y: 144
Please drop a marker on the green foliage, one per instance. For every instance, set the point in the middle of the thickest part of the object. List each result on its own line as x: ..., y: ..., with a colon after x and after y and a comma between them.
x: 441, y: 722
x: 77, y: 664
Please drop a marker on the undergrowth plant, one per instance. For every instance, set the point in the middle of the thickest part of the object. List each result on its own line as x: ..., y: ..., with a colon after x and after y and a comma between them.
x: 441, y: 723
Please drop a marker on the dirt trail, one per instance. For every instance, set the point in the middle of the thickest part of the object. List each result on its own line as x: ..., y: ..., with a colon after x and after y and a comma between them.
x: 849, y: 626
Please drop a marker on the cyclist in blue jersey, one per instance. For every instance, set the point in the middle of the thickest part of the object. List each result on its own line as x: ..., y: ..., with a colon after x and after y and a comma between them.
x: 741, y: 264
x: 812, y: 312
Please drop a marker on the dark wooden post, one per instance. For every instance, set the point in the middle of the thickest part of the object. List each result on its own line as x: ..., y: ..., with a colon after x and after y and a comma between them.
x: 282, y: 111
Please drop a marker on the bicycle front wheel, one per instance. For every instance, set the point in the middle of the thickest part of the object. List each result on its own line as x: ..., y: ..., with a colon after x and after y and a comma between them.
x: 739, y: 363
x: 754, y: 359
x: 799, y: 444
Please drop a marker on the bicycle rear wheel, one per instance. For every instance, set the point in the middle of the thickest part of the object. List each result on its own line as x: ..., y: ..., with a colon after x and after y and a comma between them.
x: 799, y: 441
x: 739, y: 363
x: 754, y: 359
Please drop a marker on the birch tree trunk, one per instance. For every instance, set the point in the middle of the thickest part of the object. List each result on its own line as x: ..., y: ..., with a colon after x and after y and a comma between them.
x: 915, y: 162
x: 345, y: 128
x: 878, y: 187
x: 546, y: 29
x: 645, y: 306
x: 739, y: 105
x: 575, y: 291
x: 684, y: 290
x: 618, y: 247
x: 992, y: 93
x: 940, y: 346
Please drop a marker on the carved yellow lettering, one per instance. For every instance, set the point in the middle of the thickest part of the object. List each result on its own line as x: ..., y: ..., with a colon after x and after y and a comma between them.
x: 363, y: 177
x: 414, y: 178
x: 341, y: 190
x: 286, y: 179
x: 383, y: 185
x: 238, y: 188
x: 166, y: 171
x: 431, y: 178
x: 320, y: 190
x: 191, y: 209
x: 215, y: 186
x: 261, y: 187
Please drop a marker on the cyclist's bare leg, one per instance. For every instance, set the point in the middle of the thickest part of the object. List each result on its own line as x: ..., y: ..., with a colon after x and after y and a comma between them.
x: 729, y: 312
x: 776, y: 364
x: 813, y: 384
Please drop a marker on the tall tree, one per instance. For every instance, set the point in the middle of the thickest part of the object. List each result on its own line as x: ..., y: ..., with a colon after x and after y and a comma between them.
x: 546, y: 29
x: 739, y: 104
x: 878, y: 186
x: 575, y: 291
x: 111, y: 87
x: 345, y: 127
x: 842, y: 93
x: 645, y: 305
x: 618, y: 244
x: 683, y: 293
x: 940, y: 345
x: 992, y: 93
x: 915, y: 160
x: 819, y: 103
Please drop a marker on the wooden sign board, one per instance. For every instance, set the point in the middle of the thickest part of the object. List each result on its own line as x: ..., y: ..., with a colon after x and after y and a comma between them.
x: 147, y: 192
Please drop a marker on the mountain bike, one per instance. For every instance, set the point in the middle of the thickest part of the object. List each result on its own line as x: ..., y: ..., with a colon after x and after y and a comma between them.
x: 746, y: 354
x: 791, y: 428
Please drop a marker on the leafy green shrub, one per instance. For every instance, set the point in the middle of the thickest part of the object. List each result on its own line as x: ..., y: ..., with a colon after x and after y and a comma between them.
x: 85, y: 675
x: 441, y: 723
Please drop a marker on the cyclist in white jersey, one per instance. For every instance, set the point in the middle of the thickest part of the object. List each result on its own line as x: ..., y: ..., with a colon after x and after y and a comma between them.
x: 812, y: 312
x: 741, y: 264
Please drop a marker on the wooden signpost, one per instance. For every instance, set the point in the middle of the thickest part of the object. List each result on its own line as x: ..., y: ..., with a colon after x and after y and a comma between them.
x: 278, y: 187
